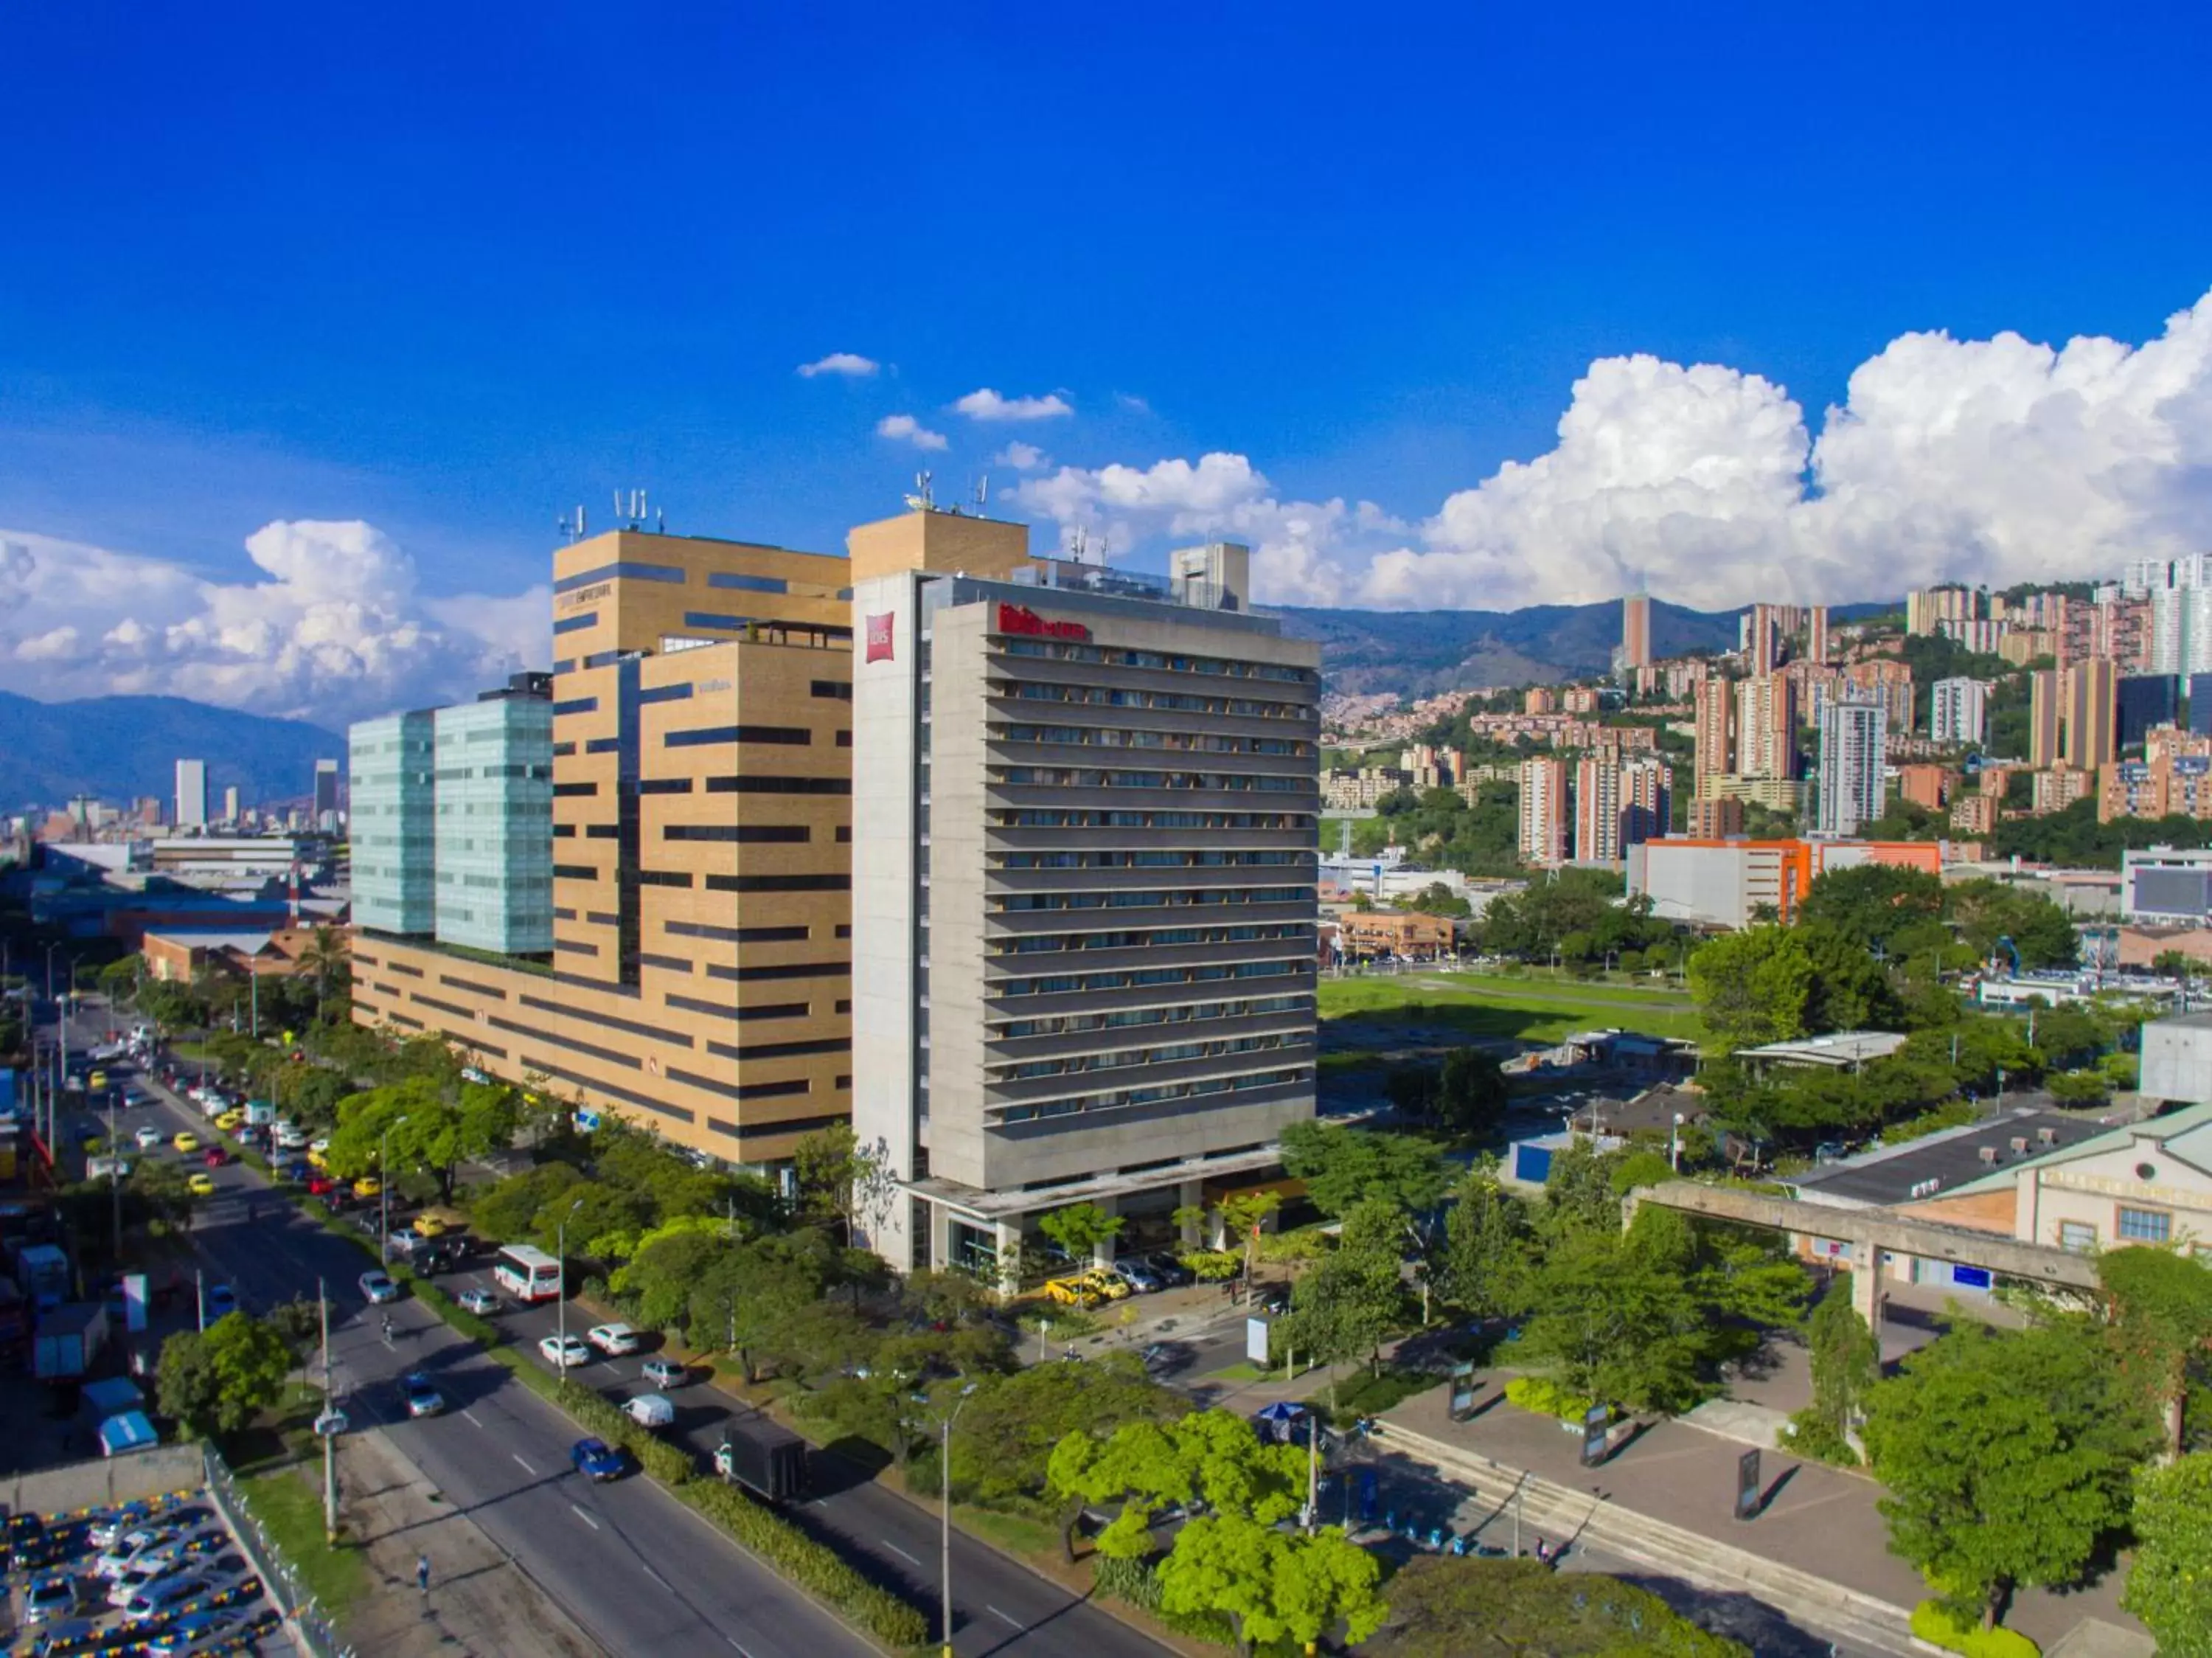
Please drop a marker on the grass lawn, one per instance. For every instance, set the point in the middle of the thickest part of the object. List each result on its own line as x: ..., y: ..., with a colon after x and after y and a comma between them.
x: 1493, y: 1006
x: 289, y: 1506
x: 1010, y: 1532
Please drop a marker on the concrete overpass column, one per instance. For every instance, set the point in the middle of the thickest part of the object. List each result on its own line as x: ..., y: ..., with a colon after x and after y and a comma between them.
x: 1101, y: 1252
x: 1192, y: 1196
x: 1866, y: 1296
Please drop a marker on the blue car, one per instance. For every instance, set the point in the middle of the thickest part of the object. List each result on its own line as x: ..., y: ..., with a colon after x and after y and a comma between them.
x: 596, y: 1460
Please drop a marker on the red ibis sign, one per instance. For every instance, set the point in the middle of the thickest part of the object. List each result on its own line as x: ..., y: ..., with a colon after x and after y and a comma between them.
x: 1020, y: 618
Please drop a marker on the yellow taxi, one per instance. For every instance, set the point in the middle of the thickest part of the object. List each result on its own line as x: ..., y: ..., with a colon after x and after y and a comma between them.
x: 230, y: 1121
x: 201, y: 1185
x: 97, y: 1081
x: 318, y: 1158
x: 368, y: 1187
x: 429, y: 1225
x: 186, y: 1141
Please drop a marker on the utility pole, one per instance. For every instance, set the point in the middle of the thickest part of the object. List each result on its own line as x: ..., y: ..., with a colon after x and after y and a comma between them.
x: 330, y: 1438
x: 114, y: 1178
x: 1313, y: 1474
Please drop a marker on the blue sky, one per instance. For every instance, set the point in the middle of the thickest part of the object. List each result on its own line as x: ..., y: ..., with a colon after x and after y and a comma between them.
x: 449, y: 270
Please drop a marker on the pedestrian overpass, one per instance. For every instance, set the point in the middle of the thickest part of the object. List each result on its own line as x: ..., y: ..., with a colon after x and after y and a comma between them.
x: 1872, y: 1233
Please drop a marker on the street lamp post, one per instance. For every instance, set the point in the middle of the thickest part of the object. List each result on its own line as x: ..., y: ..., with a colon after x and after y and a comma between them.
x: 944, y: 1520
x: 384, y: 1191
x: 560, y: 1300
x: 1674, y: 1144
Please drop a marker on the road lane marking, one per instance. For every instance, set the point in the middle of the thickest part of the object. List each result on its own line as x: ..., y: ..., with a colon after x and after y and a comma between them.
x: 471, y: 1416
x: 1015, y: 1622
x: 658, y: 1578
x: 586, y: 1518
x: 527, y: 1468
x: 900, y: 1552
x: 734, y: 1640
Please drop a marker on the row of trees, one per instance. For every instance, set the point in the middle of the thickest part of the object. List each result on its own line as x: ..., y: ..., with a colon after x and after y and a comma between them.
x: 2023, y: 1458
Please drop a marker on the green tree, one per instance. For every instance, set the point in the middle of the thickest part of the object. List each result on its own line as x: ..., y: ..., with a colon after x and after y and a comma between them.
x: 1579, y: 1194
x: 2157, y: 1306
x: 658, y: 1281
x: 1273, y: 1585
x: 2170, y: 1584
x: 1347, y: 1307
x: 755, y: 1300
x: 1011, y: 1424
x: 221, y: 1379
x: 2006, y: 1458
x: 1079, y: 1228
x: 1846, y: 1363
x: 1752, y: 986
x: 325, y: 965
x: 1471, y: 1092
x: 1483, y: 1269
x: 1211, y: 1456
x: 424, y: 1125
x: 1870, y: 903
x: 1343, y: 1167
x: 1447, y: 1606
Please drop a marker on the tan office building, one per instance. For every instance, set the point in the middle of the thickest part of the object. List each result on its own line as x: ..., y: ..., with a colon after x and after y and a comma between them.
x: 699, y: 979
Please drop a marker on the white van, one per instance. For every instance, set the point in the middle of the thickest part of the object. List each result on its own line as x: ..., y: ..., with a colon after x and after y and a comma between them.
x: 652, y: 1411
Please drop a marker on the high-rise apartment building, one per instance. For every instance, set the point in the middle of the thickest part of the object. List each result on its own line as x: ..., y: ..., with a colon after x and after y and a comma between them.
x: 1816, y: 634
x: 1714, y: 714
x: 230, y: 804
x: 2142, y: 701
x: 2092, y: 735
x: 2043, y: 710
x: 1758, y: 638
x: 191, y: 794
x: 2200, y: 702
x: 1636, y: 630
x: 1958, y: 710
x: 1647, y: 801
x: 1766, y: 726
x: 700, y: 977
x: 1597, y: 809
x: 493, y: 847
x: 1716, y: 817
x: 393, y: 765
x: 1850, y: 767
x: 326, y: 793
x: 1084, y: 884
x: 1543, y: 823
x: 1928, y: 608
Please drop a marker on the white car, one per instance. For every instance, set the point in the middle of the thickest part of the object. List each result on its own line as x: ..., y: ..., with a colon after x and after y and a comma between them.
x: 612, y: 1339
x: 290, y: 1138
x: 482, y: 1302
x: 148, y: 1138
x: 378, y: 1288
x: 562, y: 1352
x: 665, y: 1373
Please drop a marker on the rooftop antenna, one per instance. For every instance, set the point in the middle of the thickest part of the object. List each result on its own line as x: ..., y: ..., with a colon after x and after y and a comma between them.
x: 1077, y: 545
x: 922, y: 500
x: 573, y: 525
x: 982, y: 493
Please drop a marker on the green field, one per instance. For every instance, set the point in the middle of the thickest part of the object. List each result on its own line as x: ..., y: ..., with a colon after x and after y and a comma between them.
x: 1494, y: 1007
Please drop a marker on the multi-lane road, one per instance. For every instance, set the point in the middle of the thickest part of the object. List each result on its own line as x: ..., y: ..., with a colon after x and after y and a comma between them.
x: 641, y: 1573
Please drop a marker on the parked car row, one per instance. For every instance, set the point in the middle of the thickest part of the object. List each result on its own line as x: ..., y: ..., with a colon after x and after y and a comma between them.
x: 1136, y: 1275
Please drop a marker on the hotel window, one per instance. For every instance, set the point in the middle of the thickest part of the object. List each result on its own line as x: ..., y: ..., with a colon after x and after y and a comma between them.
x: 2077, y: 1235
x: 2145, y: 1226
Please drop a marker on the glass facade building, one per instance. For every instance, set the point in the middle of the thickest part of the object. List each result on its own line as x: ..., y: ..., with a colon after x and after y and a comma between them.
x: 494, y: 840
x: 390, y: 763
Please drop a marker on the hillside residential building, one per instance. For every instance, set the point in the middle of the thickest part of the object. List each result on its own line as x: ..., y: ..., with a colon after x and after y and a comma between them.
x: 1713, y: 726
x: 1851, y: 777
x: 1545, y: 826
x: 1085, y: 886
x: 2092, y: 694
x: 1636, y: 630
x: 1958, y: 711
x: 1766, y: 726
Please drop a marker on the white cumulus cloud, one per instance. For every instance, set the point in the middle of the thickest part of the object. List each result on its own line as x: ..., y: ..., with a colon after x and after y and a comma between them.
x: 988, y: 404
x: 850, y: 364
x: 1022, y: 457
x: 1997, y: 461
x: 906, y: 428
x: 336, y: 630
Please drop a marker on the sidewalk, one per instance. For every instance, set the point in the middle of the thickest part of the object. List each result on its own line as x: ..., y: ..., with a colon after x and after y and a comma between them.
x: 1668, y: 1495
x: 480, y: 1602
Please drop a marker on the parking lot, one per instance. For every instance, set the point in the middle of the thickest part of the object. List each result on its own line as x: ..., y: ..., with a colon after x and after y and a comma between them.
x: 164, y: 1576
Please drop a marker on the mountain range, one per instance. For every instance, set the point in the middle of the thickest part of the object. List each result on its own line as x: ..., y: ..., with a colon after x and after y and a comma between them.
x: 117, y: 748
x: 1420, y: 652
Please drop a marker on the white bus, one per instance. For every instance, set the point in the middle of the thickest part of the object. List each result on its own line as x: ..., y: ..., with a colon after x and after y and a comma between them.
x: 527, y: 1274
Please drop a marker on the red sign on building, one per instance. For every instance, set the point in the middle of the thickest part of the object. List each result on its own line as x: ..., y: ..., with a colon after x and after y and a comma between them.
x: 879, y: 637
x: 1020, y: 618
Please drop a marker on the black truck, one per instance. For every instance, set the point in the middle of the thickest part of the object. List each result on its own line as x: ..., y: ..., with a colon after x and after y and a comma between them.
x: 767, y: 1460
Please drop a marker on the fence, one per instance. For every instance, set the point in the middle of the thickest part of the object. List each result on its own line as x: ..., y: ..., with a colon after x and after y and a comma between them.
x: 277, y: 1574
